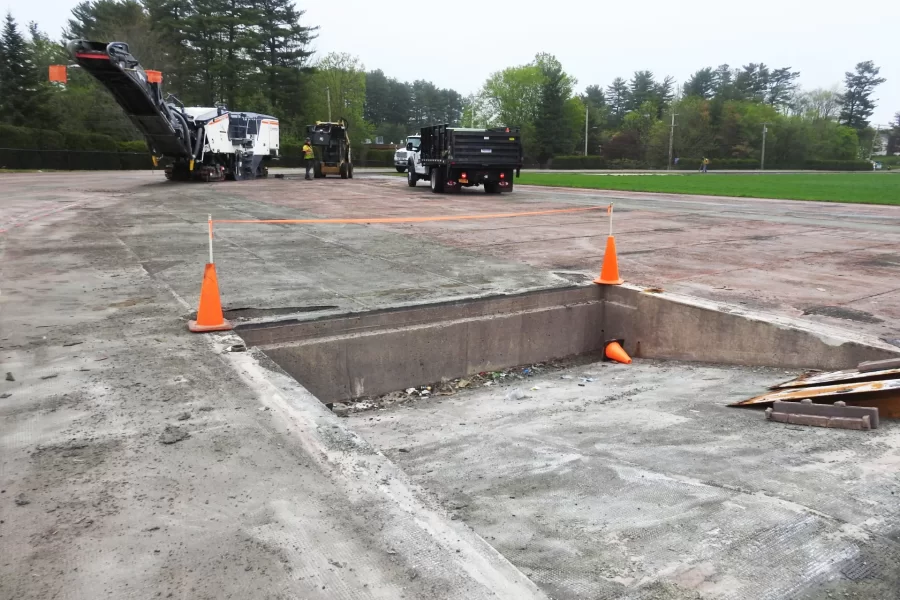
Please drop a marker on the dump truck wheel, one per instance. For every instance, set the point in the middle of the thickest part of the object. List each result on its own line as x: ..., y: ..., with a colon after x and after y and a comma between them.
x: 437, y: 181
x: 491, y: 188
x: 411, y: 177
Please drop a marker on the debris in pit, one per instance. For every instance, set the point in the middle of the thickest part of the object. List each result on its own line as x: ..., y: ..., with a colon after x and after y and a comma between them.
x: 50, y: 376
x: 172, y: 434
x: 842, y: 312
x: 236, y: 348
x: 512, y: 376
x: 838, y: 415
x: 5, y: 395
x: 21, y: 500
x: 340, y: 409
x: 516, y: 394
x: 183, y: 416
x: 9, y: 376
x: 70, y: 344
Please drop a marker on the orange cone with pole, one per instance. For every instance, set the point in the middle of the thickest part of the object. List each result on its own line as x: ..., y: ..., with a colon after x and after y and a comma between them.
x: 209, y: 311
x: 609, y: 272
x: 614, y: 351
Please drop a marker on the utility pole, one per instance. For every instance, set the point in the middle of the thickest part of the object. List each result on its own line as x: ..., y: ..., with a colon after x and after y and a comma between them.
x: 671, y: 142
x: 328, y: 94
x: 585, y: 128
x: 762, y: 158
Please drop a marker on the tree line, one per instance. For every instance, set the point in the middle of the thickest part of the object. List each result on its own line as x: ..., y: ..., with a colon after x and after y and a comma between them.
x: 252, y: 55
x: 719, y: 113
x: 256, y: 55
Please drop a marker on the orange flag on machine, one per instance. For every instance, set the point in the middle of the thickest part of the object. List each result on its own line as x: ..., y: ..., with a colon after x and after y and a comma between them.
x: 58, y: 73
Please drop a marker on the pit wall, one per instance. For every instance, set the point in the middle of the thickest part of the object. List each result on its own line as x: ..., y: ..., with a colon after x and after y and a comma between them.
x: 366, y: 354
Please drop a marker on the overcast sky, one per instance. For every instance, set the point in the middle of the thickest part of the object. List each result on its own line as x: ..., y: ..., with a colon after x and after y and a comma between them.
x: 458, y: 44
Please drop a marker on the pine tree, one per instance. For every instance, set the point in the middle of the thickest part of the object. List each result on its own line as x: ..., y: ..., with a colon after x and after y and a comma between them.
x: 856, y: 102
x: 593, y: 96
x: 282, y: 49
x: 19, y: 99
x: 551, y: 122
x: 781, y: 87
x: 641, y: 89
x: 617, y: 99
x: 701, y: 84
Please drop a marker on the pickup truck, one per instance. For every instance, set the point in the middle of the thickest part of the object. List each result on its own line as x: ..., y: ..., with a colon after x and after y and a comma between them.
x: 451, y: 158
x: 401, y: 156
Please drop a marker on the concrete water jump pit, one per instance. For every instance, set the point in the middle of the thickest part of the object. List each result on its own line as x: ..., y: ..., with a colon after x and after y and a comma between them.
x: 351, y: 356
x: 601, y: 480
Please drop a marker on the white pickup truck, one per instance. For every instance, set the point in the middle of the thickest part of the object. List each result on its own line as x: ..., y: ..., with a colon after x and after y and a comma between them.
x: 402, y: 155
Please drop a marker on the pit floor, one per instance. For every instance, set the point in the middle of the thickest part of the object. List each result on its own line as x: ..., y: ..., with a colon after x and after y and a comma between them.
x: 613, y: 481
x: 271, y: 496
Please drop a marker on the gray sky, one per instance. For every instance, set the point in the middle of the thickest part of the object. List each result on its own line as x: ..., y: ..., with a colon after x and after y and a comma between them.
x: 595, y: 41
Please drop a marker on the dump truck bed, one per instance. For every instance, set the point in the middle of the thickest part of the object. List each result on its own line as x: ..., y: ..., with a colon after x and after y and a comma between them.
x: 498, y: 147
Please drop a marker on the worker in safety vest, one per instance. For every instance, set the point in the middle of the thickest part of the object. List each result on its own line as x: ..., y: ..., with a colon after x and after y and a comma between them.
x: 309, y: 157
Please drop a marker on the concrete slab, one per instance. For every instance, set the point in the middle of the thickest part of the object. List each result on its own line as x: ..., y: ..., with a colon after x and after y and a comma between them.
x: 638, y: 482
x: 270, y: 494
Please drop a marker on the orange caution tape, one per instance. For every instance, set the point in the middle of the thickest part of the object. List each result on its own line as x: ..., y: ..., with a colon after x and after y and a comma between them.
x: 412, y: 219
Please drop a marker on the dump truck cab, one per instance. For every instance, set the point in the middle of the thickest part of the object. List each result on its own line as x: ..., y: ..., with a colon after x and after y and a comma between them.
x: 331, y: 146
x: 402, y: 154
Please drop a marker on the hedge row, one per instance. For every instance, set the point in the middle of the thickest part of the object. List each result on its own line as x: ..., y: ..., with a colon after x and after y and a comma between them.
x: 138, y: 146
x: 594, y: 162
x: 69, y: 160
x: 598, y: 162
x: 751, y: 164
x: 731, y: 164
x: 292, y: 156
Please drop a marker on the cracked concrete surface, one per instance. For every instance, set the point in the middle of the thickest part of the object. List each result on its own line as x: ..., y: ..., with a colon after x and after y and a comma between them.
x: 613, y: 481
x: 271, y: 496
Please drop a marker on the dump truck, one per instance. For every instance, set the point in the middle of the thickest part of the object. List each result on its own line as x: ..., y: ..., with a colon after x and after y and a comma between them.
x: 451, y: 158
x: 331, y: 146
x: 192, y: 142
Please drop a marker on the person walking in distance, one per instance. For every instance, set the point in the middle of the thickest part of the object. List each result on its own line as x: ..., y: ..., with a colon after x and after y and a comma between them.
x: 309, y: 157
x: 705, y: 165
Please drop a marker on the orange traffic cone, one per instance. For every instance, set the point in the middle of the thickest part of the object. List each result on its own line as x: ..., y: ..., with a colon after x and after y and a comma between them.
x: 609, y: 273
x: 209, y: 312
x: 614, y: 351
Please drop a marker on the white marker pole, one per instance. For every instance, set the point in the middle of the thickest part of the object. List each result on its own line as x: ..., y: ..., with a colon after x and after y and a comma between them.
x: 610, y: 220
x: 209, y: 220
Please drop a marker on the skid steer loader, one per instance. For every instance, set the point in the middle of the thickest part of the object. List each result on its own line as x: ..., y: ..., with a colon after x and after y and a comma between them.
x: 331, y: 145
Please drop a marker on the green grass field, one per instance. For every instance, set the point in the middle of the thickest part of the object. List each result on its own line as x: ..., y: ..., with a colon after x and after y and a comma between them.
x: 860, y: 188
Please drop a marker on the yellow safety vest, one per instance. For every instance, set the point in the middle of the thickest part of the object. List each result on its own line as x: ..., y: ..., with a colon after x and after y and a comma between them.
x: 308, y: 151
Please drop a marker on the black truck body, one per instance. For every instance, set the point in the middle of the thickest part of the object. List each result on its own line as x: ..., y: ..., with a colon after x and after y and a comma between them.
x: 456, y: 157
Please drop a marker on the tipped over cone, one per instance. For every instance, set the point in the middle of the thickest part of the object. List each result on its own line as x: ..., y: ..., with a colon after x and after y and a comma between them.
x: 614, y: 351
x: 209, y: 312
x: 609, y: 273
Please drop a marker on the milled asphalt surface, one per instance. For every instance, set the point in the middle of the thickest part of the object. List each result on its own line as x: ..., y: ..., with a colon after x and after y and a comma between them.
x: 270, y: 495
